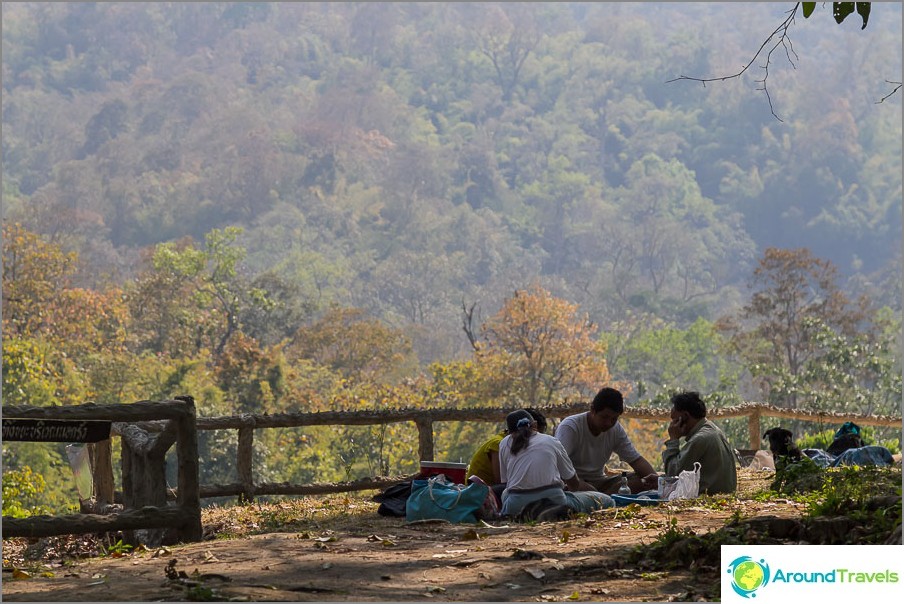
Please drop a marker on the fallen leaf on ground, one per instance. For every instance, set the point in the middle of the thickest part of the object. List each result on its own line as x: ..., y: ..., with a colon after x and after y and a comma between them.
x: 536, y: 573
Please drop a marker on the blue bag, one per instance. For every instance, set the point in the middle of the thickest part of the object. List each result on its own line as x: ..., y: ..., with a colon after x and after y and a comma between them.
x: 870, y: 455
x: 436, y: 499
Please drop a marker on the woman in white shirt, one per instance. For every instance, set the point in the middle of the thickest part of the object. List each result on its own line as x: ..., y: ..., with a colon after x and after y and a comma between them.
x: 535, y: 466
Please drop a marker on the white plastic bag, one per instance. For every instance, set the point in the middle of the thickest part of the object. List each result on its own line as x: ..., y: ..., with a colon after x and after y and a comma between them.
x: 688, y: 486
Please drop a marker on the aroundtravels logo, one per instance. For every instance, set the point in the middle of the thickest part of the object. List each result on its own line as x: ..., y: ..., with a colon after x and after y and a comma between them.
x: 866, y: 573
x: 748, y: 575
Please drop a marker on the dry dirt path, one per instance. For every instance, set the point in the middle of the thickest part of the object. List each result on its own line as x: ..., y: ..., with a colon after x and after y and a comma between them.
x: 366, y: 557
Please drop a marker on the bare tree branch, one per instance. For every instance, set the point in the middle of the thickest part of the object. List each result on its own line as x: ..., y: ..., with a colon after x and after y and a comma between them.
x: 778, y: 38
x: 467, y: 320
x: 897, y: 88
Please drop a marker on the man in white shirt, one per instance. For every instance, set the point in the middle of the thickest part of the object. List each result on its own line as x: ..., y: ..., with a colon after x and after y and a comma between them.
x: 590, y: 439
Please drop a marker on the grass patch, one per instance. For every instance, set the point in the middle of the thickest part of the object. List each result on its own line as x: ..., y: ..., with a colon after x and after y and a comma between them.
x: 847, y: 505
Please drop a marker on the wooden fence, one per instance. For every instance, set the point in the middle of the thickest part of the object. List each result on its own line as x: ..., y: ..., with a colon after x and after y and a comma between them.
x: 179, y: 426
x: 247, y: 488
x: 144, y: 417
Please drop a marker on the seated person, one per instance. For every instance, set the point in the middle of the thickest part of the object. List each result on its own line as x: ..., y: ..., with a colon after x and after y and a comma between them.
x: 591, y: 437
x: 705, y: 443
x: 485, y: 462
x: 535, y: 466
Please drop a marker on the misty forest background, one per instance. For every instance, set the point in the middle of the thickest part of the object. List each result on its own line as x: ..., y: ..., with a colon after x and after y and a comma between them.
x: 281, y: 207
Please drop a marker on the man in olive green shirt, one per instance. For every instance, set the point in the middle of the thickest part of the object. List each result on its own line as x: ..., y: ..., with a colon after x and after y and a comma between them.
x: 705, y: 443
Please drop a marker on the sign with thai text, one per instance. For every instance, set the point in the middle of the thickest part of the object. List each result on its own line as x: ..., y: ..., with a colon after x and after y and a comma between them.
x: 56, y: 430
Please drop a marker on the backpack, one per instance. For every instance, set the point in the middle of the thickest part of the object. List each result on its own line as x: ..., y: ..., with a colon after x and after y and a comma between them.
x: 846, y: 437
x: 392, y: 500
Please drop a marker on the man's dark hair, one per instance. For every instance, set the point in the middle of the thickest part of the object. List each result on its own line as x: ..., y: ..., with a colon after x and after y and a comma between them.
x: 609, y: 398
x: 690, y: 402
x: 538, y: 417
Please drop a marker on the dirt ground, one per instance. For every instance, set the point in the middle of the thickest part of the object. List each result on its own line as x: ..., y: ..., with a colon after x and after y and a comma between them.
x: 358, y: 555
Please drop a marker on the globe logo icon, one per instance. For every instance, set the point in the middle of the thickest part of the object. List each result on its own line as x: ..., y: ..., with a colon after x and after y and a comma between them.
x: 748, y: 575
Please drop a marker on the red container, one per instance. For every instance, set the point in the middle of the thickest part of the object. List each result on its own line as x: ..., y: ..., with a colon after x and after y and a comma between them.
x: 453, y: 471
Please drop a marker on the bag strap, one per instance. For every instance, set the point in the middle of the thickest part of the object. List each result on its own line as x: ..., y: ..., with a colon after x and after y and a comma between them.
x: 432, y: 482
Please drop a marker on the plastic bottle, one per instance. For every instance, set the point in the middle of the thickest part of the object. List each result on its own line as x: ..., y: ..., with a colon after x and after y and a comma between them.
x: 624, y: 489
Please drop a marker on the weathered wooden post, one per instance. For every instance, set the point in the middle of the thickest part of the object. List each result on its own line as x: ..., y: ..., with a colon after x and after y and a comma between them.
x: 244, y: 462
x: 189, y: 494
x: 144, y: 474
x: 424, y: 438
x: 753, y: 428
x: 104, y: 491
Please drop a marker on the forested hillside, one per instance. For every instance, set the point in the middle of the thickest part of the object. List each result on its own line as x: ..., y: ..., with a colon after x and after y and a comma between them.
x: 299, y: 206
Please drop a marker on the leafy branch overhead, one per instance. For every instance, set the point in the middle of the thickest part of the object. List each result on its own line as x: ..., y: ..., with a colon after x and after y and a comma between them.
x: 780, y: 39
x: 840, y: 10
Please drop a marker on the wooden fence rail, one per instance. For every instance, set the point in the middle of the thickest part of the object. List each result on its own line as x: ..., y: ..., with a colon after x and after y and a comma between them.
x: 247, y: 488
x: 177, y: 418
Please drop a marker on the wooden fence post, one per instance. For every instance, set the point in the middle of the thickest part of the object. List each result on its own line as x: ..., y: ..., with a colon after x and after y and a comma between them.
x: 103, y: 473
x: 244, y: 461
x: 753, y: 428
x: 425, y: 439
x: 144, y: 476
x: 189, y: 494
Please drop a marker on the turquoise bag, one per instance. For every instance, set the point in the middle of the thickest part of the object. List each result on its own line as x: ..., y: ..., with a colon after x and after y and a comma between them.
x: 436, y: 499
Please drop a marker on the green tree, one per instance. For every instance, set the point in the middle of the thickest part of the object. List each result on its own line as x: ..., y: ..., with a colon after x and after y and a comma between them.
x: 659, y: 358
x: 250, y: 377
x: 34, y: 273
x: 22, y: 491
x: 775, y: 334
x: 507, y: 38
x: 167, y: 318
x: 214, y: 295
x: 661, y: 239
x: 858, y: 373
